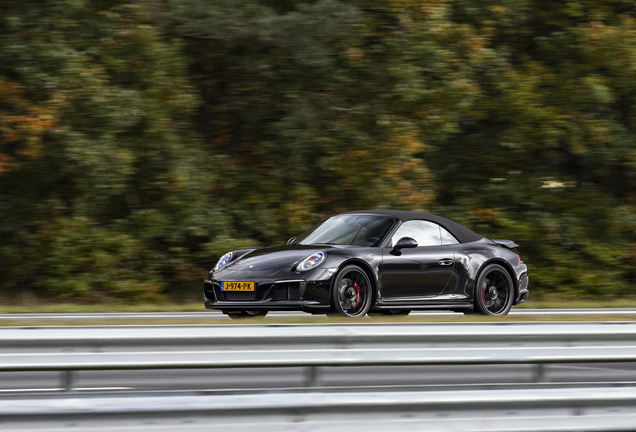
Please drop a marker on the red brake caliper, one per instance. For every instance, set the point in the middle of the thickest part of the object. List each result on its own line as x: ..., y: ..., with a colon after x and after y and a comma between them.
x: 355, y: 284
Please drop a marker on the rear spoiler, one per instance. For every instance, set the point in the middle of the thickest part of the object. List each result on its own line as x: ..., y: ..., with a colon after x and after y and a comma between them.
x: 506, y: 243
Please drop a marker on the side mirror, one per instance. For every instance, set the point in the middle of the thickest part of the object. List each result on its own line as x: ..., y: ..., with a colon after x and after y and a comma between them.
x: 291, y: 241
x: 405, y: 243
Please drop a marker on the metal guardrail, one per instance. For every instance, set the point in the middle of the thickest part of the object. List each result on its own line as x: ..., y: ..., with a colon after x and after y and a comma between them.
x: 315, y: 346
x: 538, y: 410
x: 312, y: 346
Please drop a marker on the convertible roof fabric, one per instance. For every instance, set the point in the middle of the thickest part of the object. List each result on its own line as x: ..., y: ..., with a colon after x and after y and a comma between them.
x: 461, y: 233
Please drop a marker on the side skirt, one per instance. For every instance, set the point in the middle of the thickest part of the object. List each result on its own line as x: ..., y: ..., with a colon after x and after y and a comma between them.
x: 431, y: 306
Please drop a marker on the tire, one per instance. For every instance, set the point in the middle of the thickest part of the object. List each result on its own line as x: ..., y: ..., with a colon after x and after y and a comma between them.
x: 247, y: 314
x: 494, y: 291
x: 351, y: 293
x: 390, y: 312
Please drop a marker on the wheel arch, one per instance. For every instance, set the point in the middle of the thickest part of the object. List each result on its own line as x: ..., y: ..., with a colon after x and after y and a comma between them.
x: 506, y: 265
x: 369, y: 272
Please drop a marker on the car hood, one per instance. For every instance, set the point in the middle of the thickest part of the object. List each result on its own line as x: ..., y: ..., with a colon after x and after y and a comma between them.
x: 275, y: 258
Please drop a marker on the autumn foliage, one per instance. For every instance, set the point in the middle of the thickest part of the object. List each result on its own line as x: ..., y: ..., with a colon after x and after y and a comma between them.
x: 141, y: 140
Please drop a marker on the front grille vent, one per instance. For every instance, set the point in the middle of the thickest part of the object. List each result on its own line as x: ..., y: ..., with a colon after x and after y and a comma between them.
x: 286, y: 291
x: 208, y: 291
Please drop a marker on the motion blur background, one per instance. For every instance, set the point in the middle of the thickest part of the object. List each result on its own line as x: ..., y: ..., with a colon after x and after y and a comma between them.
x: 140, y: 140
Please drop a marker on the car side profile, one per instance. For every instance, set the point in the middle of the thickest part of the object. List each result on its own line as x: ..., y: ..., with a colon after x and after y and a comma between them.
x: 373, y: 261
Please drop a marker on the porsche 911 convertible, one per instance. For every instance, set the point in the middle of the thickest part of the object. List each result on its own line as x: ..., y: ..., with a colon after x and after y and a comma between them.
x: 378, y: 261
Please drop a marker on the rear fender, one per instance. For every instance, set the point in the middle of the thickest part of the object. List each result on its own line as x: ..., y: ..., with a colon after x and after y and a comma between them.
x: 504, y: 264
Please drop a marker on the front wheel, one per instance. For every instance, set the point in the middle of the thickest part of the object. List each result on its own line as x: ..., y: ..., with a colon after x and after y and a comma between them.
x: 351, y: 293
x: 494, y: 291
x: 246, y: 314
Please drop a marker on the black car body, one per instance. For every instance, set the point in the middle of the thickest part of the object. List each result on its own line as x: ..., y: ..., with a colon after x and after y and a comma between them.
x: 383, y: 261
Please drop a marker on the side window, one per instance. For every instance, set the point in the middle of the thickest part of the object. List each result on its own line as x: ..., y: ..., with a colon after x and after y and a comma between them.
x: 425, y: 233
x: 447, y: 238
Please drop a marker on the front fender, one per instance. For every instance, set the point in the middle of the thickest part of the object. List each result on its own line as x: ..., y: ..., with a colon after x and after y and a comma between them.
x: 319, y: 281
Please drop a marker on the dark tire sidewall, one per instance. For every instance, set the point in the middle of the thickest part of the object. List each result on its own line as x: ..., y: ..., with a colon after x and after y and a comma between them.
x: 480, y: 307
x: 336, y: 308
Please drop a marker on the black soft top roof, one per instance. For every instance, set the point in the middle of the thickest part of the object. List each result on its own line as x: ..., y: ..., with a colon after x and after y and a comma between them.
x: 461, y: 233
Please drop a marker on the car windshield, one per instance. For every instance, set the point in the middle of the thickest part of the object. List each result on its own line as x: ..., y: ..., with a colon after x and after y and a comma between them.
x: 351, y: 229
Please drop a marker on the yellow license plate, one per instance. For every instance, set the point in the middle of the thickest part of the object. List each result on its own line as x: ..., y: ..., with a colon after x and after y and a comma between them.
x: 237, y: 286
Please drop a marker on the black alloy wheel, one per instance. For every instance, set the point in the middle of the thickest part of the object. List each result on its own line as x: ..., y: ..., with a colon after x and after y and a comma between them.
x: 247, y: 314
x: 494, y: 291
x: 351, y: 293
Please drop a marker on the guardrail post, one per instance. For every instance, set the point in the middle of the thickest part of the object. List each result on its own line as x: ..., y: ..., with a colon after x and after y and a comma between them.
x: 67, y: 380
x: 312, y: 376
x: 540, y: 373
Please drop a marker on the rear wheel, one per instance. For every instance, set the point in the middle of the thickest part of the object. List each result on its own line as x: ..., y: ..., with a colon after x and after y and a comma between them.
x: 351, y: 293
x: 494, y: 291
x: 246, y: 314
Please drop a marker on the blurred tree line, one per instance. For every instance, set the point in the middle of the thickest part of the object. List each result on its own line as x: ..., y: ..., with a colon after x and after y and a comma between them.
x: 140, y: 140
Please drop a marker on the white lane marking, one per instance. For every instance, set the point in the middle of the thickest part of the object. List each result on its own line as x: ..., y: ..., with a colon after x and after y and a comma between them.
x: 574, y: 312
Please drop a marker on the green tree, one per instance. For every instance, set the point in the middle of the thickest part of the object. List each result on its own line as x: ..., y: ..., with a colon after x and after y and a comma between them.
x: 101, y: 178
x: 140, y: 140
x: 546, y: 154
x: 314, y: 108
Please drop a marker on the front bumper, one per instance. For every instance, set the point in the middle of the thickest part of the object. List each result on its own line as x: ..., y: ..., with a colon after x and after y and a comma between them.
x: 305, y: 306
x: 279, y: 295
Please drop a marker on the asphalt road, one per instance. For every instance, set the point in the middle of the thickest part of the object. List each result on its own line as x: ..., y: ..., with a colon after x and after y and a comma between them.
x: 206, y: 315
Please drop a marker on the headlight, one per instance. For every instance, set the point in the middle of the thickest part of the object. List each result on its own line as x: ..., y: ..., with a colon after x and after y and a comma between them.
x: 224, y: 260
x: 311, y: 262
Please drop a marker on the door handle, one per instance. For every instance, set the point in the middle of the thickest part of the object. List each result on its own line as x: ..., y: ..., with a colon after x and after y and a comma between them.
x: 445, y: 262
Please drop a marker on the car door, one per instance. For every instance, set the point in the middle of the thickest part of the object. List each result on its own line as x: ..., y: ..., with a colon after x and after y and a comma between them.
x: 418, y: 272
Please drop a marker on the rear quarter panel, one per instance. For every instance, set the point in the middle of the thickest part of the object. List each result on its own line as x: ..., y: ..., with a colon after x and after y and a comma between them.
x: 471, y: 257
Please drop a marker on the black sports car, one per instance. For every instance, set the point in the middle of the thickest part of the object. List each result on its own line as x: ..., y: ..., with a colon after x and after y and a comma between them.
x: 376, y: 261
